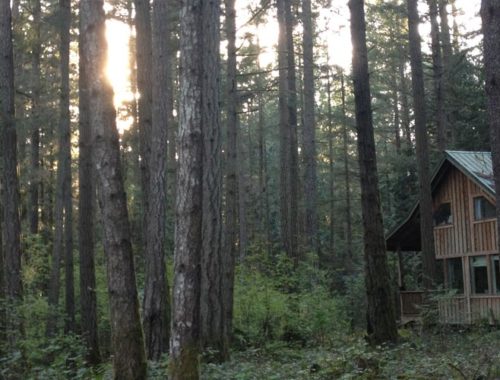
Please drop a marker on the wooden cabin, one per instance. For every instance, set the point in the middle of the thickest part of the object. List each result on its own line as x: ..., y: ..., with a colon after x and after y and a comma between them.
x: 465, y: 235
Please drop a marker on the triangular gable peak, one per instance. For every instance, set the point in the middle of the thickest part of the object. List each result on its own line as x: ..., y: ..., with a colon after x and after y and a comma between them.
x: 459, y: 176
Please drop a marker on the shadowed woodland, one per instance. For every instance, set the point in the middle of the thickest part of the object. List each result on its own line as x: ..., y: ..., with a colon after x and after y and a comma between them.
x: 203, y: 189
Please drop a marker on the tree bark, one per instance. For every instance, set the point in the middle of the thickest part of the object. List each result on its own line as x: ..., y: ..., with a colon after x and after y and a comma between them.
x: 331, y: 167
x: 86, y: 202
x: 63, y: 174
x: 288, y: 132
x: 292, y: 111
x: 35, y: 128
x: 211, y: 301
x: 447, y: 59
x: 403, y: 90
x: 284, y: 147
x: 65, y: 147
x: 437, y: 68
x: 490, y: 15
x: 156, y: 308
x: 185, y: 333
x: 10, y: 183
x: 126, y: 332
x: 309, y: 131
x: 422, y: 149
x: 231, y: 227
x: 381, y: 315
x: 347, y: 178
x: 144, y: 86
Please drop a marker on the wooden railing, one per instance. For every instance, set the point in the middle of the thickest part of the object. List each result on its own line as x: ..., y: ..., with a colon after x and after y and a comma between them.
x: 410, y: 303
x: 453, y: 310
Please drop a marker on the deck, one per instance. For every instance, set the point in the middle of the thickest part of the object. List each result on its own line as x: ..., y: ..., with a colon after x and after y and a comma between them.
x: 455, y: 310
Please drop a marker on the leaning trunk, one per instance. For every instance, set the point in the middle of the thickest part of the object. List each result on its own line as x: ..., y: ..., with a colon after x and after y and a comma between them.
x: 126, y: 332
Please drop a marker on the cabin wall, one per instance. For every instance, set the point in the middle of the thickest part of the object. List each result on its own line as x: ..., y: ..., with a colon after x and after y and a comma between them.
x: 464, y: 236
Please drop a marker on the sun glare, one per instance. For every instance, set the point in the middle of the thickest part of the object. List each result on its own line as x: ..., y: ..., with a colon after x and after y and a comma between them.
x: 118, y: 68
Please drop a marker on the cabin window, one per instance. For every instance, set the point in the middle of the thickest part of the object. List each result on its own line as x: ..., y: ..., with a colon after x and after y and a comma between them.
x: 483, y: 209
x: 455, y: 274
x: 496, y: 273
x: 442, y: 215
x: 479, y: 274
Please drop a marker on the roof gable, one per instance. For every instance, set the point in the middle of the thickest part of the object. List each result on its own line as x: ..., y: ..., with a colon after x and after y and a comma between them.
x: 476, y: 166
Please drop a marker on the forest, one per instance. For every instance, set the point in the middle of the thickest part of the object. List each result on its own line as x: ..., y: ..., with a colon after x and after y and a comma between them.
x: 249, y: 189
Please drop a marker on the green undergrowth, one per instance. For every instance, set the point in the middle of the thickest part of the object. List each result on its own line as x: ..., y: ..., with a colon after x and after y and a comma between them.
x: 454, y: 355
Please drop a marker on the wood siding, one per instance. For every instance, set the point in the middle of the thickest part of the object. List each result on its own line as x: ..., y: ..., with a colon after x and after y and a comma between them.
x: 464, y: 236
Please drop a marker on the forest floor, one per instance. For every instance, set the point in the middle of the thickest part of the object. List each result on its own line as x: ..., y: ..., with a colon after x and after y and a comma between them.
x: 444, y: 354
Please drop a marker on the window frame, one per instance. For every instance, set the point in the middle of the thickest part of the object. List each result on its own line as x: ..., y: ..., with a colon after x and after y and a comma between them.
x: 446, y: 225
x: 472, y: 282
x: 484, y: 219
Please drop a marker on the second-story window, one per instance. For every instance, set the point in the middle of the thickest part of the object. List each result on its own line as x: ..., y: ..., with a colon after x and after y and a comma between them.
x: 483, y: 209
x: 442, y: 215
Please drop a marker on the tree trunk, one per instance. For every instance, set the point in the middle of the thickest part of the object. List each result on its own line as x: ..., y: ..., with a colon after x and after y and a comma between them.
x: 284, y: 149
x: 490, y: 15
x: 86, y: 202
x: 422, y: 149
x: 293, y: 184
x: 347, y: 178
x: 211, y: 306
x: 126, y: 332
x: 63, y: 171
x: 309, y: 131
x: 156, y: 308
x: 185, y: 333
x: 10, y: 183
x: 65, y: 147
x: 35, y: 128
x: 447, y: 58
x: 331, y: 167
x: 231, y: 228
x: 288, y: 132
x: 381, y: 315
x: 403, y: 90
x: 144, y: 86
x: 437, y: 68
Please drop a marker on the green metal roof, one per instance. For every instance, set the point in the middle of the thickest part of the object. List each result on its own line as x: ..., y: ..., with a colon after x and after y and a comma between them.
x: 476, y: 165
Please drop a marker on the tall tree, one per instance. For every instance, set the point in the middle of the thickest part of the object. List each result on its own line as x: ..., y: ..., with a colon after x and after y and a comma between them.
x: 35, y: 128
x: 126, y: 330
x: 211, y: 298
x: 437, y: 68
x: 144, y: 86
x: 347, y: 175
x: 422, y: 148
x: 293, y: 184
x: 185, y: 333
x: 447, y: 67
x: 287, y: 95
x: 309, y: 130
x: 490, y: 15
x: 63, y: 186
x: 156, y: 296
x: 10, y: 183
x: 380, y: 313
x: 86, y: 202
x: 231, y: 226
x: 65, y: 147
